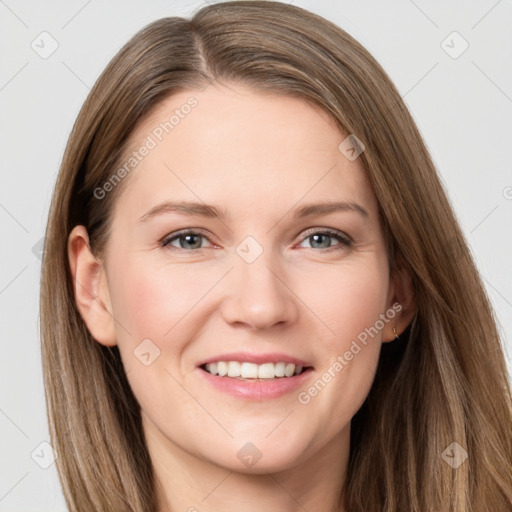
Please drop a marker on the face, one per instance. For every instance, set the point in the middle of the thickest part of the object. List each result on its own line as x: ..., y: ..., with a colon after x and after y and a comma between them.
x: 254, y: 272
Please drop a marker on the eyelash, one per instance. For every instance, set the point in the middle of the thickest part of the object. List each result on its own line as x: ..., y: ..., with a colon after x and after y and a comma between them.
x: 345, y: 240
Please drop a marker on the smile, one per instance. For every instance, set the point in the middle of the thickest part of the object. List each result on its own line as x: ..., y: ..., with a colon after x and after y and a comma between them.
x: 245, y: 370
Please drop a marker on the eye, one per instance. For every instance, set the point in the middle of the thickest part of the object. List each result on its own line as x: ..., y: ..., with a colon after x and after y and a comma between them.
x: 187, y: 240
x: 322, y: 240
x: 192, y: 240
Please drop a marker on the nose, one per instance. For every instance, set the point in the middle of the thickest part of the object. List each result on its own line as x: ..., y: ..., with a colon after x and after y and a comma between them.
x: 258, y: 295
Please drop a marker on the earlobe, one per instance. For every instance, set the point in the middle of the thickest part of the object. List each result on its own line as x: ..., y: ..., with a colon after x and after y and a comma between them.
x: 91, y: 288
x: 402, y: 300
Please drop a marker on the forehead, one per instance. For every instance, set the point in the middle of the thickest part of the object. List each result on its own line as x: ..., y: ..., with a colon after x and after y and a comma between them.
x: 232, y: 144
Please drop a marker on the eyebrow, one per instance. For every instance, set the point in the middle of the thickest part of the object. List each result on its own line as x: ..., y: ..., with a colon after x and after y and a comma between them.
x: 205, y: 210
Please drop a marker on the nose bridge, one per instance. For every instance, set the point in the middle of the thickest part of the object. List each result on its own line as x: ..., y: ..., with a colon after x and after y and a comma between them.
x: 258, y: 295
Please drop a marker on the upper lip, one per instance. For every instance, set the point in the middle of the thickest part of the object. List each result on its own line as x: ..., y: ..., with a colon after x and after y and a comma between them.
x: 270, y: 357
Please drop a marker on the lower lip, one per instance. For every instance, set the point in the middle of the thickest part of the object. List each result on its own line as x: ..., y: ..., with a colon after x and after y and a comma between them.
x: 256, y: 389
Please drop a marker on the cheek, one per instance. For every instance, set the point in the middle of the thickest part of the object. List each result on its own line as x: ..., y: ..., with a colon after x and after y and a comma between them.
x: 150, y: 301
x: 150, y: 305
x: 351, y: 300
x: 351, y: 305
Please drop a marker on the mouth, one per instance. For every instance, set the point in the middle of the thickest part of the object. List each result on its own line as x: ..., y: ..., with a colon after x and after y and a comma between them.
x: 246, y: 371
x: 255, y: 377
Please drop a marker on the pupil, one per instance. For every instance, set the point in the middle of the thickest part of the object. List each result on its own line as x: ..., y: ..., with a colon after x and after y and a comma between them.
x: 315, y: 237
x: 188, y: 237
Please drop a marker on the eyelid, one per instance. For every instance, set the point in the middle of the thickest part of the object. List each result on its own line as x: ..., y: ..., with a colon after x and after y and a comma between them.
x: 164, y: 242
x: 327, y: 231
x: 345, y: 240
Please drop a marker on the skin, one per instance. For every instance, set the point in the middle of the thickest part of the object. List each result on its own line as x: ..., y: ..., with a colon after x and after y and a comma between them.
x: 257, y: 157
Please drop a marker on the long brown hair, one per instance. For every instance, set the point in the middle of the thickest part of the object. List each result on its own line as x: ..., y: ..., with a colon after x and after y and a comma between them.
x: 445, y: 381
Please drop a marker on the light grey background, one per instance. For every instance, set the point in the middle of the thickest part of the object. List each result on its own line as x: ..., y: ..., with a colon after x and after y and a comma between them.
x: 463, y: 107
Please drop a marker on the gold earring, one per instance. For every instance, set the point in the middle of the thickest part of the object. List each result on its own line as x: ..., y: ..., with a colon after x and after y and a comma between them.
x: 396, y: 334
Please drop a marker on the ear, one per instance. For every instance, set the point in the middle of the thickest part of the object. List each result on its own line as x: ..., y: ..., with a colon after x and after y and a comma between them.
x: 400, y: 295
x: 91, y: 288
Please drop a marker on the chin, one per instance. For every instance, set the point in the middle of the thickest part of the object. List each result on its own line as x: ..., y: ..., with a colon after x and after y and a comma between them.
x: 260, y: 457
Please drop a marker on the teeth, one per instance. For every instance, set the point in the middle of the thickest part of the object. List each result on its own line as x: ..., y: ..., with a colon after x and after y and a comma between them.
x: 266, y: 371
x: 248, y: 371
x: 253, y: 371
x: 234, y: 369
x: 289, y: 370
x: 279, y: 369
x: 222, y: 368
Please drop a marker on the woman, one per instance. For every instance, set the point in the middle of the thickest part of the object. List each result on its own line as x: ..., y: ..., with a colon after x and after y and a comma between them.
x: 256, y: 369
